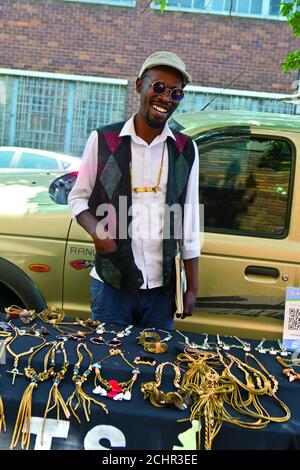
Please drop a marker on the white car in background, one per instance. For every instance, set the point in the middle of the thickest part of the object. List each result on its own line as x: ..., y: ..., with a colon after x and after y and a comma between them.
x: 30, y: 159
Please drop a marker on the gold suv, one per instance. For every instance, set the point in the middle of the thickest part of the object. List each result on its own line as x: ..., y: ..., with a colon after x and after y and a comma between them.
x: 251, y: 241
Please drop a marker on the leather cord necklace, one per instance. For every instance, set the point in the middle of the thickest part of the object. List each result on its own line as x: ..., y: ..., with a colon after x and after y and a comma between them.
x: 15, y: 371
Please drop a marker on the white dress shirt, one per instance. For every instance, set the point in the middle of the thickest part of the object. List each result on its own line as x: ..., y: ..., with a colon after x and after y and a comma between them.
x: 148, y: 208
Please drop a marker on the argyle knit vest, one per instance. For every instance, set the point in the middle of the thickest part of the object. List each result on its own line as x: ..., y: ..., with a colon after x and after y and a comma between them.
x: 112, y: 181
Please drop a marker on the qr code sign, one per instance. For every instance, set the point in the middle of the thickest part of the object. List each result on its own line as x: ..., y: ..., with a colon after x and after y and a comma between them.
x: 294, y: 319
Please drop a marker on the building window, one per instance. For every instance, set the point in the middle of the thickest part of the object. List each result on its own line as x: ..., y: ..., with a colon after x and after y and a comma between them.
x: 57, y: 112
x: 123, y: 3
x: 252, y: 8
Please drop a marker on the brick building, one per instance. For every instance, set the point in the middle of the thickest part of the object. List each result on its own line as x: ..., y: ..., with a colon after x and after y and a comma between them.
x: 69, y: 65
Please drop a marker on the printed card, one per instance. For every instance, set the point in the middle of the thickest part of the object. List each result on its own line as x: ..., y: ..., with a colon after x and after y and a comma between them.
x: 291, y: 327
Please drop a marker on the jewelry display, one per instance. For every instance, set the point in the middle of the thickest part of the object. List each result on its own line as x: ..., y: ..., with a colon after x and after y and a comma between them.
x: 6, y: 327
x: 212, y: 383
x: 114, y: 342
x: 245, y: 346
x: 119, y: 334
x: 55, y: 317
x: 32, y: 330
x: 2, y: 416
x: 145, y: 360
x: 222, y: 345
x: 206, y: 389
x: 260, y: 347
x: 113, y: 388
x: 152, y: 342
x: 161, y: 399
x: 192, y: 345
x: 82, y: 398
x: 54, y: 394
x: 2, y: 361
x: 52, y: 315
x: 22, y: 424
x: 14, y: 311
x: 17, y: 357
x: 73, y: 336
x: 283, y: 351
x: 288, y: 370
x: 273, y: 351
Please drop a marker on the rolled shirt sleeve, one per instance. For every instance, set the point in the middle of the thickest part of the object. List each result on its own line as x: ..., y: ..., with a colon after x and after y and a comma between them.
x: 82, y: 189
x: 190, y: 243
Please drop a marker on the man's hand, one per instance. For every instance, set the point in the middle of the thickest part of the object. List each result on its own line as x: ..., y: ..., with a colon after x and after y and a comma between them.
x: 104, y: 243
x: 105, y: 246
x: 189, y: 301
x: 190, y: 296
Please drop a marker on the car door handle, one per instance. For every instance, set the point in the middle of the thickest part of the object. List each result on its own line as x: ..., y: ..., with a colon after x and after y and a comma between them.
x: 262, y: 271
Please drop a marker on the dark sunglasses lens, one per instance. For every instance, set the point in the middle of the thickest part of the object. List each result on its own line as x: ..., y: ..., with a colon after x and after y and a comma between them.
x: 159, y: 87
x: 177, y: 94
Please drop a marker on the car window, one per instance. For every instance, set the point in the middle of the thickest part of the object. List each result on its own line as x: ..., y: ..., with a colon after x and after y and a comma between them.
x: 32, y: 160
x: 5, y: 158
x: 245, y: 186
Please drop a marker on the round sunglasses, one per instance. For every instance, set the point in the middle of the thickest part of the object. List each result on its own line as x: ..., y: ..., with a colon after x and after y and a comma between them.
x: 159, y: 88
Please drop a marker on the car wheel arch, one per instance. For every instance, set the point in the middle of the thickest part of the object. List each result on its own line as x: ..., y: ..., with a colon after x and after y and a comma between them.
x: 21, y: 285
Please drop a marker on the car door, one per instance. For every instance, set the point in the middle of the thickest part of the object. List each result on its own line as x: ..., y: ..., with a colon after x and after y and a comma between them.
x: 251, y: 243
x: 79, y: 260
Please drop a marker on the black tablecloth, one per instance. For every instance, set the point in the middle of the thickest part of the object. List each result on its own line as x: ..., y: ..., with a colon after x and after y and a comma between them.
x: 135, y: 424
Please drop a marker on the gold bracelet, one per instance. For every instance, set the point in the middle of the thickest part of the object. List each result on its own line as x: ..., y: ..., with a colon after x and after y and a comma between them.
x: 161, y: 399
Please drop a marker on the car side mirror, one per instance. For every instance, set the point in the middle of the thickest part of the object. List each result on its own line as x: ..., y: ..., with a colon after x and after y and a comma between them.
x: 60, y: 188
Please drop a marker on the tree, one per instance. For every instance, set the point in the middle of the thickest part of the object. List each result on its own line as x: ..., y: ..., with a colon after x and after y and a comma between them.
x: 291, y: 10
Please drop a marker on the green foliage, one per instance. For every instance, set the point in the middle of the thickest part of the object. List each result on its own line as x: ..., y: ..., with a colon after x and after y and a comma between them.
x: 291, y: 61
x: 276, y: 157
x: 291, y: 10
x: 162, y: 4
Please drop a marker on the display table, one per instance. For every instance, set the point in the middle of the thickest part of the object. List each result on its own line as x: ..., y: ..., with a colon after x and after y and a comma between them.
x: 136, y: 424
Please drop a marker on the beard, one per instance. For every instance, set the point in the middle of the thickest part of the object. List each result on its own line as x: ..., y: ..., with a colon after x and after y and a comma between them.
x: 155, y: 123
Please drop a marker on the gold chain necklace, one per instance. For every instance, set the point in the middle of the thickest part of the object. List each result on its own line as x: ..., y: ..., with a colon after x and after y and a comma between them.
x: 15, y: 370
x: 148, y: 189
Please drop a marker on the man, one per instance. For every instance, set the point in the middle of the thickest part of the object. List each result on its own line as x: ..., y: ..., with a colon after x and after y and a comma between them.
x: 131, y: 173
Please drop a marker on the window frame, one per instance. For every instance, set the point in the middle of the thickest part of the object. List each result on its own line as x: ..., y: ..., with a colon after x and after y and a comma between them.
x: 208, y: 10
x: 68, y: 146
x: 238, y: 93
x: 291, y: 182
x: 117, y: 3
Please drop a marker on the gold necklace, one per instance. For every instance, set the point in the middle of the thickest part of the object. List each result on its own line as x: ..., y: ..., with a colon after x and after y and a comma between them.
x: 82, y: 397
x: 55, y: 317
x: 148, y: 189
x: 15, y: 370
x: 113, y: 388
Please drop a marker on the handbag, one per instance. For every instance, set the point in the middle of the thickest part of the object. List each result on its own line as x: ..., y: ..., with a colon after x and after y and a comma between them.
x: 180, y: 284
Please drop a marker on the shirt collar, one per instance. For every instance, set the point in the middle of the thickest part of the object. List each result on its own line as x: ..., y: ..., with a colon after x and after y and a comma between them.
x: 128, y: 129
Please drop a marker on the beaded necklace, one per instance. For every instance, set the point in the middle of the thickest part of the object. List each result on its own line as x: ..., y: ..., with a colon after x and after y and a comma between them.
x: 54, y: 393
x: 82, y: 397
x: 113, y: 388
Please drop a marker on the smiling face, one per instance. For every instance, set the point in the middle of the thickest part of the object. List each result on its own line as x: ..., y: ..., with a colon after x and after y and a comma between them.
x: 155, y: 110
